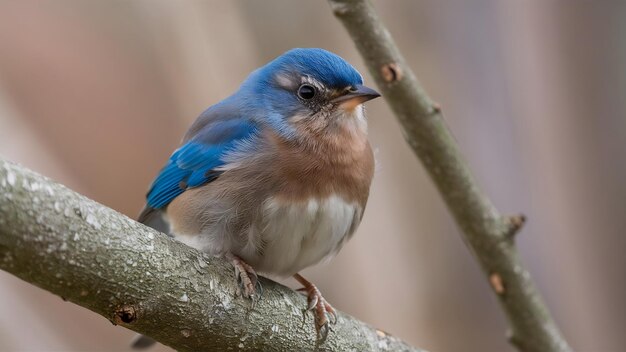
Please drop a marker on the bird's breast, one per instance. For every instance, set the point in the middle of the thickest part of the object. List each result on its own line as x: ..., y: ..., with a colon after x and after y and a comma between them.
x: 299, y: 234
x: 316, y: 197
x: 341, y: 164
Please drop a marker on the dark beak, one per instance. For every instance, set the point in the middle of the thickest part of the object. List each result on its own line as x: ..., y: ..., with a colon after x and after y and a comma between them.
x: 357, y: 96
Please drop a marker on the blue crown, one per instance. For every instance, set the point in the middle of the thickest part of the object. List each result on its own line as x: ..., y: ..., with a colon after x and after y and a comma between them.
x: 322, y: 65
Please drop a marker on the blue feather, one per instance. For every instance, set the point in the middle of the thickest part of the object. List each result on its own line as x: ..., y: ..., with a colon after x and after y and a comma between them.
x: 324, y: 66
x: 194, y: 163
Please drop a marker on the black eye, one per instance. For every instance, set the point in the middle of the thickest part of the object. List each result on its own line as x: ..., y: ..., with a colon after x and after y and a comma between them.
x: 306, y: 91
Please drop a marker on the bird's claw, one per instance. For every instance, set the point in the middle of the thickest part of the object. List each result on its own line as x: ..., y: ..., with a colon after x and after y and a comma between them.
x: 247, y: 279
x: 259, y: 288
x: 331, y: 314
x: 323, y: 313
x: 322, y: 333
x: 247, y: 283
x: 312, y: 302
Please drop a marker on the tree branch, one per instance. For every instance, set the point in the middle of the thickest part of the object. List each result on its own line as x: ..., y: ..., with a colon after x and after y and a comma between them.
x: 488, y: 234
x: 143, y: 280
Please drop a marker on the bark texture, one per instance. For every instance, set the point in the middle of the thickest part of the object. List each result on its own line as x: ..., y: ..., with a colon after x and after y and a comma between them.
x: 143, y: 280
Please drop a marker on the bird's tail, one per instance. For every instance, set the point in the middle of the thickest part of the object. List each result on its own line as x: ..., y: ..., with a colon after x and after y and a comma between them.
x: 154, y: 218
x: 141, y: 342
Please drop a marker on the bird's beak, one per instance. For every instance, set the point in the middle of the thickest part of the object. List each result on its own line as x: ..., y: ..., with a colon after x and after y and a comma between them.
x: 355, y: 97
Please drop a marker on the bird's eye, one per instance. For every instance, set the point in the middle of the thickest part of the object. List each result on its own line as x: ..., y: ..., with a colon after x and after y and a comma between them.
x: 306, y: 91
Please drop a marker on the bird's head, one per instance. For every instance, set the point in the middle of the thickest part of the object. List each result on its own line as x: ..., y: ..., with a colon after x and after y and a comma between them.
x: 310, y: 90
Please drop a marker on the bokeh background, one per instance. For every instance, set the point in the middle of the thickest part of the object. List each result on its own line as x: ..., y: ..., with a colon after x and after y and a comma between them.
x: 96, y: 94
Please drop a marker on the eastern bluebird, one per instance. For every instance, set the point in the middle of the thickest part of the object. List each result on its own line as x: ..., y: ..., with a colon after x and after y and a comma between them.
x: 275, y: 177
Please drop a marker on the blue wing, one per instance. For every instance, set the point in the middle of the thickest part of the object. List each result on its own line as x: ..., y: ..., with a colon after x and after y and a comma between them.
x: 194, y: 163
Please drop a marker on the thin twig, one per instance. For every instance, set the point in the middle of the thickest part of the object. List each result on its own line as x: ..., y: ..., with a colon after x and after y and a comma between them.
x: 488, y: 234
x: 143, y: 280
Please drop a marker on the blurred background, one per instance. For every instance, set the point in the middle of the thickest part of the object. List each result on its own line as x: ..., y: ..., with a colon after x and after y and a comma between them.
x: 97, y: 94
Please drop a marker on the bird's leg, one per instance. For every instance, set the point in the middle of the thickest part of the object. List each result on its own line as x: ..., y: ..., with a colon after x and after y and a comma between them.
x: 247, y: 278
x: 320, y: 308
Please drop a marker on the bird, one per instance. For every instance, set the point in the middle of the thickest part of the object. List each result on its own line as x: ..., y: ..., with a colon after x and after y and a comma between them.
x: 274, y: 178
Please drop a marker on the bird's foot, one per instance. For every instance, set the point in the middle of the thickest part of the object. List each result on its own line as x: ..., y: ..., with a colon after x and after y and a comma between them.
x: 323, y: 312
x: 248, y: 280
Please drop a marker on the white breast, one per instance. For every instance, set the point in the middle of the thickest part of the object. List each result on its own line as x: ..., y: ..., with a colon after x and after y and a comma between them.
x: 297, y: 235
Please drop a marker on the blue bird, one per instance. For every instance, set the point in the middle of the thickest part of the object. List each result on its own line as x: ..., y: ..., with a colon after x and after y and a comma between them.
x: 274, y: 178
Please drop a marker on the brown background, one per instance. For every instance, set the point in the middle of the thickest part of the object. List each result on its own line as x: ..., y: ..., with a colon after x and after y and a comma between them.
x: 96, y: 94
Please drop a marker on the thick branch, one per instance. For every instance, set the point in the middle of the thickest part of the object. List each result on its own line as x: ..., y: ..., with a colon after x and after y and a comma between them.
x: 488, y: 234
x: 136, y: 277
